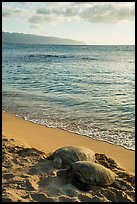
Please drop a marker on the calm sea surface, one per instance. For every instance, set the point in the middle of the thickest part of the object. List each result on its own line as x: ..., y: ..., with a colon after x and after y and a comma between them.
x: 89, y: 90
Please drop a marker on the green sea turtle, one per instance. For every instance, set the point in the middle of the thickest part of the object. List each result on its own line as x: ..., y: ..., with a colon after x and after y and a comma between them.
x: 91, y: 173
x: 65, y: 156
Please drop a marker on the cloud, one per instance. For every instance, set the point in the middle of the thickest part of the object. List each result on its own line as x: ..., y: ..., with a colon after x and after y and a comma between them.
x: 43, y: 11
x: 36, y: 19
x: 108, y: 13
x: 7, y: 12
x: 38, y: 13
x: 34, y: 26
x: 16, y: 12
x: 102, y: 12
x: 39, y: 20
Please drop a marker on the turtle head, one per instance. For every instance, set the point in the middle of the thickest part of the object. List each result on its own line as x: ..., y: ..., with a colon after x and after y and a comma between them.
x: 57, y: 162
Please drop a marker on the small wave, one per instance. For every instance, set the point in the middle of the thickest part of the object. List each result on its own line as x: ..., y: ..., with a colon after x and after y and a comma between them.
x: 47, y: 56
x: 116, y: 137
x: 95, y: 59
x: 88, y: 58
x: 124, y: 139
x: 131, y: 62
x: 44, y: 57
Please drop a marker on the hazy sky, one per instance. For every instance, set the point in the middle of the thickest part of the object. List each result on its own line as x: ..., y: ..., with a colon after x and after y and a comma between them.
x: 91, y: 22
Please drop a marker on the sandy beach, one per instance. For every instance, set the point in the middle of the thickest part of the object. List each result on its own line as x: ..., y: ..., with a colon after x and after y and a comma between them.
x: 29, y: 176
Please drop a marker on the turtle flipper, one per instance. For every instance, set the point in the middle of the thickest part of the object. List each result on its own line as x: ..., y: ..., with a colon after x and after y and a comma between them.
x: 118, y: 185
x: 63, y: 172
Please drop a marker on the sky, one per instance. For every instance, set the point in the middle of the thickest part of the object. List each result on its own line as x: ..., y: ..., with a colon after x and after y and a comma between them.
x: 90, y: 22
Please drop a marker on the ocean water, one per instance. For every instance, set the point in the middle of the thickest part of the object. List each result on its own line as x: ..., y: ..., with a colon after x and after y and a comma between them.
x: 89, y: 90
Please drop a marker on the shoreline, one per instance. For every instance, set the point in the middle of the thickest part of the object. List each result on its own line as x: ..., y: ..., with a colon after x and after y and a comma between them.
x: 48, y: 139
x: 69, y: 131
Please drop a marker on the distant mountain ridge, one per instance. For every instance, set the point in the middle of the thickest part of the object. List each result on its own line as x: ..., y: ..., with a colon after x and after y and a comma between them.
x: 36, y: 39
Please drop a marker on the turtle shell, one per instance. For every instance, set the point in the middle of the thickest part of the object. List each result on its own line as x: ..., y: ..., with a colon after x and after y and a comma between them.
x: 92, y: 173
x: 67, y: 155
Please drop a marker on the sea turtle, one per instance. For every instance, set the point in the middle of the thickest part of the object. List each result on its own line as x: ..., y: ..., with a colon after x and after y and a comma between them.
x: 65, y: 156
x: 90, y: 173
